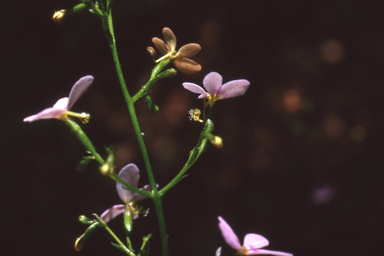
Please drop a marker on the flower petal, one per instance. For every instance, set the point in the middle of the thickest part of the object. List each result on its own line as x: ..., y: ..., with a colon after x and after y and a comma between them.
x: 229, y: 236
x: 194, y: 88
x: 232, y: 89
x: 78, y: 89
x: 138, y: 197
x: 255, y: 241
x: 61, y: 104
x: 45, y: 114
x: 188, y: 50
x: 160, y: 45
x: 269, y: 252
x: 212, y: 82
x: 129, y: 173
x: 112, y: 212
x: 169, y: 38
x: 218, y: 252
x: 186, y: 66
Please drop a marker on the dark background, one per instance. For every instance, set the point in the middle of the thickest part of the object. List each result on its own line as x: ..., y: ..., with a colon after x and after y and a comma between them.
x: 311, y: 121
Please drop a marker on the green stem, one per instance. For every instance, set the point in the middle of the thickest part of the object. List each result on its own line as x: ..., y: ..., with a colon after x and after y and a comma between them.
x: 89, y: 146
x: 122, y: 245
x: 194, y: 155
x: 130, y: 104
x: 158, y: 68
x: 84, y: 139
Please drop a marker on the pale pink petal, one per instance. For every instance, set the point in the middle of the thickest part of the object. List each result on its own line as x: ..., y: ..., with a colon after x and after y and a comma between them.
x: 229, y: 236
x: 138, y: 197
x: 188, y: 50
x: 194, y: 88
x: 169, y: 38
x: 255, y: 241
x: 45, y: 114
x: 186, y: 66
x: 130, y: 174
x: 212, y: 82
x: 61, y: 103
x: 78, y: 89
x: 160, y: 45
x: 232, y: 89
x: 112, y: 212
x: 267, y: 252
x: 218, y: 252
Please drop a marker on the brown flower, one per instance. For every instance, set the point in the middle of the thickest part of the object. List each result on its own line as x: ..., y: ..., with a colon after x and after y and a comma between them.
x: 180, y: 58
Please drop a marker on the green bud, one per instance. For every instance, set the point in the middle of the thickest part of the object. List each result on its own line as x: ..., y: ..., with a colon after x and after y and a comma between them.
x: 108, y: 168
x: 85, y: 220
x: 128, y: 220
x: 79, y: 243
x: 167, y: 73
x: 152, y: 107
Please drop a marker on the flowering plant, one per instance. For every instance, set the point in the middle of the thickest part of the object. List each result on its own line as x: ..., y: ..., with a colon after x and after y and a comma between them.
x: 128, y: 178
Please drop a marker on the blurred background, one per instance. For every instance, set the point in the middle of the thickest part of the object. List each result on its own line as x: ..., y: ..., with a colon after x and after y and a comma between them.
x: 302, y: 162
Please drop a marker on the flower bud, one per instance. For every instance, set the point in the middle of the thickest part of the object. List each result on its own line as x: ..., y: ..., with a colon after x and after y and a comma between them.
x: 152, y: 107
x: 151, y: 51
x: 85, y: 220
x: 217, y: 141
x: 79, y: 243
x: 107, y: 169
x: 58, y: 16
x: 167, y: 73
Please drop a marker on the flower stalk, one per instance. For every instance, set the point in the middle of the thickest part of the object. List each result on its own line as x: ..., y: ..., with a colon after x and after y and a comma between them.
x: 156, y: 196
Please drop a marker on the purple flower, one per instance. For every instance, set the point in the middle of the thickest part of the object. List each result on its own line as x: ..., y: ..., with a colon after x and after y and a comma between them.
x: 252, y: 242
x: 129, y: 173
x: 181, y: 61
x: 216, y: 90
x: 61, y: 109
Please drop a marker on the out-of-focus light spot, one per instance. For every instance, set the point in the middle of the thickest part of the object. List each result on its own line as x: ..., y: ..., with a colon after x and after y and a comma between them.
x: 291, y: 101
x: 210, y: 33
x: 333, y: 126
x: 323, y: 194
x: 332, y: 51
x: 358, y: 133
x: 259, y: 161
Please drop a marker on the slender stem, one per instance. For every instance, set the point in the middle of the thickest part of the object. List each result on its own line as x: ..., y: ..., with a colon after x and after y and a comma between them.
x: 130, y: 104
x: 89, y: 146
x: 195, y: 154
x: 158, y: 68
x: 122, y: 245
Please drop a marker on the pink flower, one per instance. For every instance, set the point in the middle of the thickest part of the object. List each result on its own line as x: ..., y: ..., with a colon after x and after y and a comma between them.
x: 129, y: 173
x: 61, y: 109
x: 181, y: 61
x: 216, y: 90
x: 252, y: 242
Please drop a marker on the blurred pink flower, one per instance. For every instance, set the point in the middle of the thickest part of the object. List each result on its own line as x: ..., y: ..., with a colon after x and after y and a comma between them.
x: 63, y: 105
x: 129, y: 173
x: 216, y: 90
x: 181, y: 61
x: 252, y: 242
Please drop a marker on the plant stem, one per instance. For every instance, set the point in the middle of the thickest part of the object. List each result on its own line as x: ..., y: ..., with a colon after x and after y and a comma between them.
x: 194, y: 155
x: 122, y: 245
x: 89, y: 146
x: 130, y: 104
